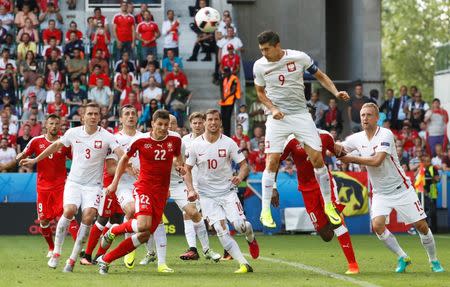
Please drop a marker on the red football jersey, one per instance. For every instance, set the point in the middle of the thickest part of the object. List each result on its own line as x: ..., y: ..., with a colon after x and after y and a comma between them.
x: 258, y: 160
x: 124, y: 26
x: 51, y: 171
x: 305, y: 171
x: 148, y: 31
x: 179, y: 80
x: 156, y: 159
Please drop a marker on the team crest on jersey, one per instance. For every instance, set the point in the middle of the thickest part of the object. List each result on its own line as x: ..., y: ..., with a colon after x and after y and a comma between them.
x: 222, y: 153
x: 42, y: 146
x: 147, y: 145
x: 291, y: 67
x: 98, y: 144
x: 170, y: 146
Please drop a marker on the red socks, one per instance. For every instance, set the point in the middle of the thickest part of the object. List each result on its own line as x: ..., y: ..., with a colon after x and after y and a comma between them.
x: 93, y: 239
x: 48, y: 235
x: 73, y: 229
x: 122, y: 249
x: 347, y: 248
x: 123, y: 228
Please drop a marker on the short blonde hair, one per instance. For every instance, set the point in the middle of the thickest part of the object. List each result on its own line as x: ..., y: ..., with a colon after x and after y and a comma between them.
x: 196, y: 115
x: 373, y: 106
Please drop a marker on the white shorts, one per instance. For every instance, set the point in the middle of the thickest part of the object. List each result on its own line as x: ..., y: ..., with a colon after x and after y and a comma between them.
x: 407, y: 205
x: 79, y: 195
x: 179, y: 195
x: 223, y: 207
x: 124, y: 194
x: 301, y: 126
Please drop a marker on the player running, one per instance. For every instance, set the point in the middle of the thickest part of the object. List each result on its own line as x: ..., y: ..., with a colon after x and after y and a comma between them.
x: 157, y: 153
x: 51, y: 177
x: 391, y: 188
x: 279, y: 85
x: 212, y: 153
x: 308, y: 186
x: 90, y: 144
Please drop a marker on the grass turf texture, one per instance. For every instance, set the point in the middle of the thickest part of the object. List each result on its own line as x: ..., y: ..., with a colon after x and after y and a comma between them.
x: 23, y: 263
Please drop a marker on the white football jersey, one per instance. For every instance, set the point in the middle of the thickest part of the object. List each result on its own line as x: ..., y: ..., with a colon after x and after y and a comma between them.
x: 175, y: 178
x: 283, y: 80
x: 388, y: 178
x: 124, y: 141
x: 88, y: 154
x: 187, y: 141
x: 214, y: 164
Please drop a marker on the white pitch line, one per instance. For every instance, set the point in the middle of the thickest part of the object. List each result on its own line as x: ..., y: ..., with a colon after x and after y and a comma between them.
x: 321, y: 272
x: 442, y: 236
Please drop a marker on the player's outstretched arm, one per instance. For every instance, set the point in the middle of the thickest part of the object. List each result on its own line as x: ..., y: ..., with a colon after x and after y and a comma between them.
x: 261, y: 93
x: 192, y: 194
x: 121, y: 167
x: 326, y: 82
x: 374, y: 160
x: 54, y: 147
x: 244, y: 170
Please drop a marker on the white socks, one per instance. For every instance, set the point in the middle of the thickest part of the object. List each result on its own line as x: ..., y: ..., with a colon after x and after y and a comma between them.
x: 244, y: 227
x: 161, y: 243
x: 429, y: 245
x: 229, y: 244
x: 202, y: 234
x: 391, y: 243
x: 150, y: 244
x: 83, y: 232
x: 60, y: 234
x: 323, y: 178
x: 189, y: 232
x: 268, y: 178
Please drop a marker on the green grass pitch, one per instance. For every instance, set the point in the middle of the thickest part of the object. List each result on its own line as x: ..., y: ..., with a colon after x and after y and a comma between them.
x: 287, y: 260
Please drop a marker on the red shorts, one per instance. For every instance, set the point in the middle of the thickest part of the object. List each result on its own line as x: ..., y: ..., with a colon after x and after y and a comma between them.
x: 49, y: 202
x: 150, y: 204
x: 315, y: 207
x: 109, y: 206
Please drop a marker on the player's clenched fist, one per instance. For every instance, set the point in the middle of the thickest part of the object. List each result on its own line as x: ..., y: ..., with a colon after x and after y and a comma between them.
x: 111, y: 188
x: 181, y: 170
x: 343, y: 96
x: 236, y: 180
x: 192, y: 195
x: 277, y: 114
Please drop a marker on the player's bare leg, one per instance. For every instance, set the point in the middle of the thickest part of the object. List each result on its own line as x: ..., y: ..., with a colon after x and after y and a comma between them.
x: 246, y: 228
x: 427, y: 239
x: 389, y: 240
x: 129, y: 210
x: 202, y: 234
x: 323, y: 178
x: 61, y: 229
x: 267, y: 181
x: 87, y: 219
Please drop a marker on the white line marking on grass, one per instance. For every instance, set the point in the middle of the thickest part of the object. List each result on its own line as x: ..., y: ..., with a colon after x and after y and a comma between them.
x: 442, y: 236
x: 320, y: 271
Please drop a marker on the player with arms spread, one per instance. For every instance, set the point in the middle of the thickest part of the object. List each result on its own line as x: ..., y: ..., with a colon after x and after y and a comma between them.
x: 312, y: 197
x: 391, y: 188
x: 90, y: 144
x: 279, y: 86
x: 157, y: 152
x: 51, y: 178
x: 212, y: 153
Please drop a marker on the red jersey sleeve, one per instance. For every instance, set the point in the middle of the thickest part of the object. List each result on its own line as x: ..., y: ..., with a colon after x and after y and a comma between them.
x: 131, y: 150
x: 328, y: 142
x: 288, y: 149
x: 177, y: 150
x: 30, y: 148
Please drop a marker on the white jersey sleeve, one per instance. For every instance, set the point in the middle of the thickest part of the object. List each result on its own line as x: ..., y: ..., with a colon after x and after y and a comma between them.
x: 67, y: 138
x: 236, y: 153
x: 350, y: 143
x: 258, y: 75
x: 386, y: 142
x: 191, y: 156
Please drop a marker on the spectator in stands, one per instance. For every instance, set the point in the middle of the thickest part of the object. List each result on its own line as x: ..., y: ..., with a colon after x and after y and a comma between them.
x: 390, y: 107
x: 77, y: 67
x: 231, y: 60
x: 105, y: 113
x: 75, y: 97
x: 6, y: 121
x: 320, y: 107
x: 99, y: 60
x: 32, y: 108
x: 102, y: 95
x: 413, y: 90
x: 47, y: 51
x: 258, y: 136
x: 432, y: 178
x: 73, y: 27
x: 25, y: 46
x: 52, y: 32
x: 30, y: 30
x: 124, y: 31
x: 10, y: 75
x: 57, y: 88
x: 23, y: 140
x: 132, y: 100
x: 97, y: 73
x: 6, y: 91
x: 169, y: 61
x: 404, y: 99
x: 10, y: 112
x: 436, y: 119
x: 25, y: 66
x: 73, y: 44
x: 147, y: 33
x: 6, y: 18
x: 104, y: 123
x: 22, y: 15
x: 7, y: 157
x: 403, y: 158
x: 243, y: 118
x: 146, y: 116
x: 288, y: 166
x: 170, y: 33
x: 257, y: 159
x: 34, y: 122
x: 230, y: 92
x: 37, y: 90
x: 177, y: 76
x: 145, y: 63
x: 332, y: 117
x: 416, y: 104
x: 125, y: 93
x: 373, y: 96
x: 150, y: 72
x: 206, y: 42
x: 415, y: 161
x: 125, y: 60
x: 257, y: 113
x: 438, y: 160
x: 355, y: 104
x: 98, y: 16
x: 53, y: 75
x: 122, y: 80
x: 10, y: 45
x: 139, y: 17
x: 58, y: 106
x: 240, y: 137
x: 417, y: 117
x: 3, y: 32
x: 230, y: 38
x: 5, y: 59
x: 446, y: 161
x: 50, y: 14
x: 407, y: 135
x: 76, y: 118
x: 151, y: 92
x: 43, y: 5
x: 55, y: 57
x: 12, y: 139
x: 100, y: 40
x: 176, y: 101
x: 225, y: 23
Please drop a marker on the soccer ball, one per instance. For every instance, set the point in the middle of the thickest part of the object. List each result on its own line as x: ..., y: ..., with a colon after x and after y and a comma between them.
x: 207, y: 19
